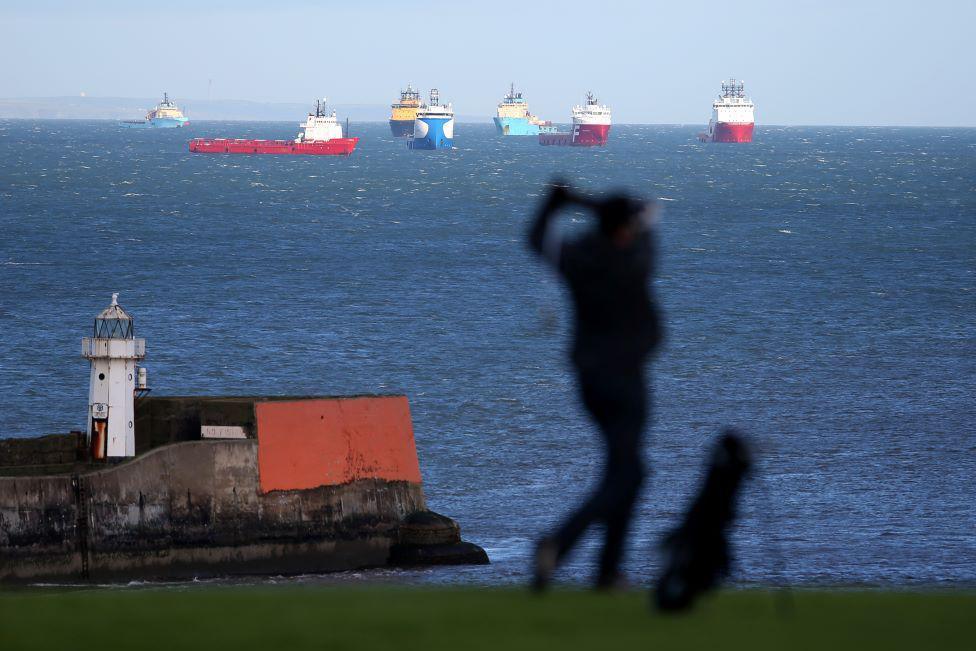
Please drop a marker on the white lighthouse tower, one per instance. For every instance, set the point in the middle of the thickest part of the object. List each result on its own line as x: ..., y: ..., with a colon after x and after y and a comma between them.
x: 113, y: 351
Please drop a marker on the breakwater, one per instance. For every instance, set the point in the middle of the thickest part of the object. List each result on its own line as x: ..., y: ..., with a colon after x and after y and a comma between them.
x: 226, y: 486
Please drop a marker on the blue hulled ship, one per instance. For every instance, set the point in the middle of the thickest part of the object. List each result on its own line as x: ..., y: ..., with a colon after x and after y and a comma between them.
x: 165, y: 115
x: 434, y: 126
x: 514, y: 119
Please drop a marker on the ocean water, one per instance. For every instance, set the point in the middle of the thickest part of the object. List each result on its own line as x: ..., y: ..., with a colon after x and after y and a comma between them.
x: 818, y: 286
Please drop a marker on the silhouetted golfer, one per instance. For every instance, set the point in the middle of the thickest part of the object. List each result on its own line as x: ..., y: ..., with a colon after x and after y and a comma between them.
x: 608, y: 271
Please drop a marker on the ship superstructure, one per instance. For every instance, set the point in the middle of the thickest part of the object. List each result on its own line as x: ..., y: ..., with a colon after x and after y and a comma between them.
x: 404, y: 112
x: 320, y: 126
x: 733, y: 115
x: 514, y: 119
x: 166, y: 115
x: 434, y: 126
x: 321, y: 134
x: 591, y: 126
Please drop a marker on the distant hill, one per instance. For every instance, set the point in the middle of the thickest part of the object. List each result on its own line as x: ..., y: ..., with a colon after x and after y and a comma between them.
x: 133, y: 108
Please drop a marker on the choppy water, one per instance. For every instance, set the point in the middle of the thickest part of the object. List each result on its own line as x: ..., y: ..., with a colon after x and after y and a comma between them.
x: 819, y: 287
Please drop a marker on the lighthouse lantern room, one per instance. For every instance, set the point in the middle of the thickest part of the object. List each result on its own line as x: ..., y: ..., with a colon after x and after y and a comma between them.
x: 115, y: 378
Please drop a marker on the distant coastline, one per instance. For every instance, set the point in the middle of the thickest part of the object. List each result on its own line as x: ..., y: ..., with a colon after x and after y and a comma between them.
x: 134, y: 108
x: 74, y: 107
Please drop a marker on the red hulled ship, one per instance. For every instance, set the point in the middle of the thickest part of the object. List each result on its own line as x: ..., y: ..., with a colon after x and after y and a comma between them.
x: 733, y: 115
x: 321, y: 135
x: 591, y: 126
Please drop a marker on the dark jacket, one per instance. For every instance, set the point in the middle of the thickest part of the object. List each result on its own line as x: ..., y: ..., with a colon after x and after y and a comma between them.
x: 616, y: 323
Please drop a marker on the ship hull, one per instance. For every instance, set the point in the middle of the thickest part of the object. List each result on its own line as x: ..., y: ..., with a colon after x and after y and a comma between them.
x: 583, y: 135
x: 515, y: 127
x: 401, y: 128
x: 334, y: 147
x: 731, y: 132
x: 433, y: 133
x: 156, y: 123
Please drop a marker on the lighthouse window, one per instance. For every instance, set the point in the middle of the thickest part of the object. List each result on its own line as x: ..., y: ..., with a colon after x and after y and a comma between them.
x: 113, y: 328
x: 101, y: 376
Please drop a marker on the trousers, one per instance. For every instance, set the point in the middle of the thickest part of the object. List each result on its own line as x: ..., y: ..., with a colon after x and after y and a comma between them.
x: 616, y: 399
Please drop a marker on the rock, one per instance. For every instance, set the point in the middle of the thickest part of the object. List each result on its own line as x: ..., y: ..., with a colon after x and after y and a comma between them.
x: 462, y: 553
x: 428, y: 528
x: 428, y: 538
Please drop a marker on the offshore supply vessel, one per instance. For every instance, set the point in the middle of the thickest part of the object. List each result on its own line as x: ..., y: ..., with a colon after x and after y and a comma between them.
x: 320, y: 135
x: 733, y: 115
x: 434, y: 126
x: 514, y: 119
x: 166, y: 115
x: 591, y: 126
x: 404, y: 112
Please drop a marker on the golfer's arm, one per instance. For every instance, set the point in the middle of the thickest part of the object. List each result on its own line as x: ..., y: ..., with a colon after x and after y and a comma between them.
x: 544, y: 237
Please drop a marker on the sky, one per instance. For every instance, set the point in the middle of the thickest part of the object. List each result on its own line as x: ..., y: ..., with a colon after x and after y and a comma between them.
x: 856, y: 62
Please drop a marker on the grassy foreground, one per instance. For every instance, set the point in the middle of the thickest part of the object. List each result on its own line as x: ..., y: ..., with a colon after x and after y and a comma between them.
x: 384, y: 617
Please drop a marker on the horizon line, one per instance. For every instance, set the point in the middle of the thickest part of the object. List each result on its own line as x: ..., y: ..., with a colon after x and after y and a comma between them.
x: 489, y: 118
x: 486, y: 117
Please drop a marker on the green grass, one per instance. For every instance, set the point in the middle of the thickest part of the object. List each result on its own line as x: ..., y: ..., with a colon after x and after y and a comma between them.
x: 461, y: 619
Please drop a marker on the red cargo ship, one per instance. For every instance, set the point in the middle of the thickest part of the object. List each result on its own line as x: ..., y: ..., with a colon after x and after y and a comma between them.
x: 321, y: 135
x: 733, y: 115
x: 591, y: 126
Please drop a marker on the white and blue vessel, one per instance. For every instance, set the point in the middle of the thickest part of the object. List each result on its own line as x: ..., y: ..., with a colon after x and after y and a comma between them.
x: 514, y: 119
x: 434, y: 126
x: 166, y: 115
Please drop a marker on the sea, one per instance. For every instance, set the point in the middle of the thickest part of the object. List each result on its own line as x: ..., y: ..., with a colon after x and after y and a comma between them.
x: 818, y: 289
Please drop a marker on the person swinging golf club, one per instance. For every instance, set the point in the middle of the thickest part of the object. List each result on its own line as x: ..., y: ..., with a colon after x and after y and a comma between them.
x: 616, y: 327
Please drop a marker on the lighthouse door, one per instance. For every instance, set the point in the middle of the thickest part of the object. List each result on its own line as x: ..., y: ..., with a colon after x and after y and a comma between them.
x: 99, y: 430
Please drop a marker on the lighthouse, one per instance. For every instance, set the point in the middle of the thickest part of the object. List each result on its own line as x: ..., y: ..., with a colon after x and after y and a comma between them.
x: 113, y: 352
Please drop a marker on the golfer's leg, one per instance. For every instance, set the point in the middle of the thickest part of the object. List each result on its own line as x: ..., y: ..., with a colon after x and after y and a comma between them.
x: 617, y: 526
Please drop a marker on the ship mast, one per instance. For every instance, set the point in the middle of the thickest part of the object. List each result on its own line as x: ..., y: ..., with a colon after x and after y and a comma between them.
x: 320, y: 107
x: 733, y: 89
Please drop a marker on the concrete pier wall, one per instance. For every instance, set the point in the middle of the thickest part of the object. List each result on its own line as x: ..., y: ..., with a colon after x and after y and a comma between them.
x: 320, y: 485
x: 193, y: 509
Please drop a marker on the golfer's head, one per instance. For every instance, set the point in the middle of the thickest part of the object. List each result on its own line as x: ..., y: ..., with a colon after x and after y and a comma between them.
x: 621, y: 214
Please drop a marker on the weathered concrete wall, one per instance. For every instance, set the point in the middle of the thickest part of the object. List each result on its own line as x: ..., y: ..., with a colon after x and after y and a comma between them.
x: 308, y: 443
x: 193, y: 509
x: 42, y: 455
x: 38, y: 527
x: 161, y: 420
x: 319, y: 484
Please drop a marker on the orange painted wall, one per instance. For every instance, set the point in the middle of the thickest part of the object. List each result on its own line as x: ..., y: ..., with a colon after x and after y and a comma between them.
x: 322, y: 442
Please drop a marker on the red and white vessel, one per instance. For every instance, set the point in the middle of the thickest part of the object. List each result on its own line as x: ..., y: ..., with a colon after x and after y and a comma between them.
x: 591, y: 126
x: 320, y: 135
x: 733, y: 115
